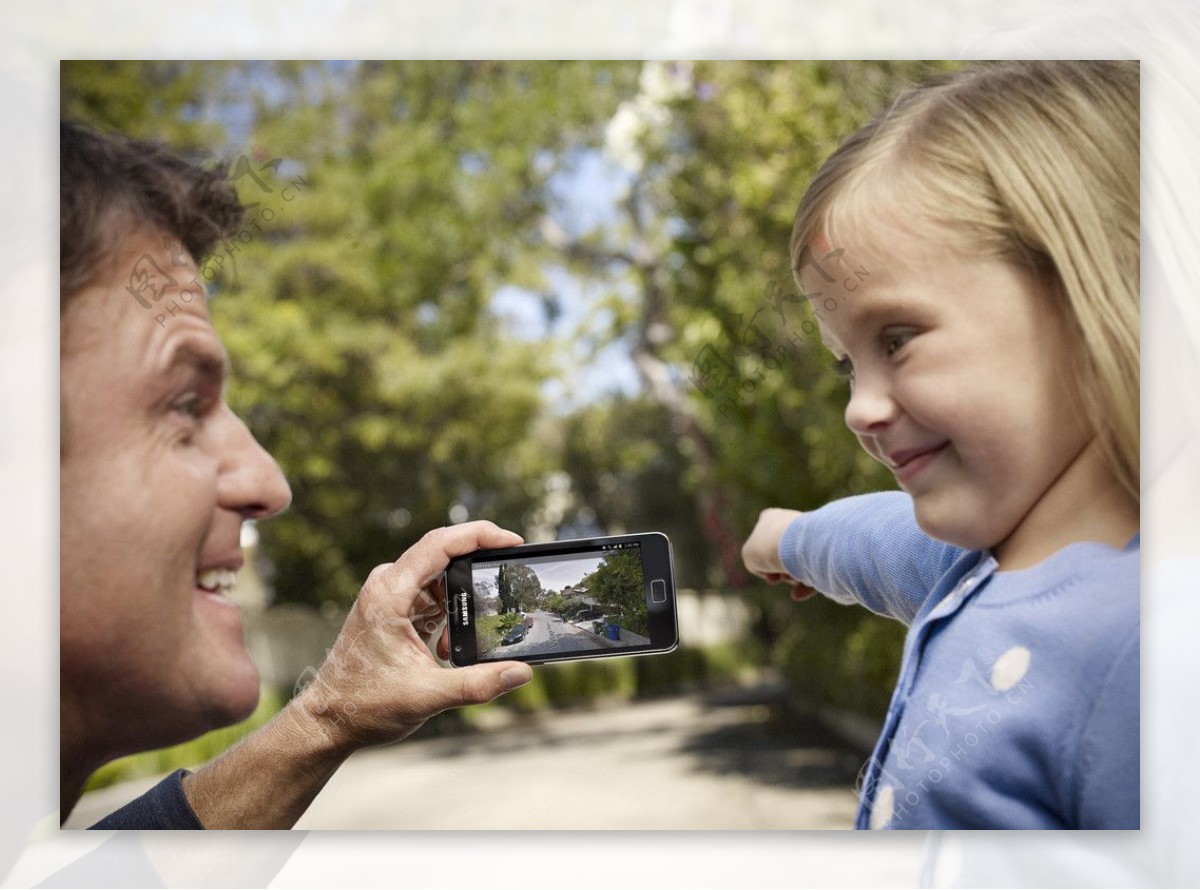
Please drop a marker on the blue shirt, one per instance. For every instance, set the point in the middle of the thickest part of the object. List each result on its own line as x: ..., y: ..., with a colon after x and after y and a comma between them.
x: 1017, y: 704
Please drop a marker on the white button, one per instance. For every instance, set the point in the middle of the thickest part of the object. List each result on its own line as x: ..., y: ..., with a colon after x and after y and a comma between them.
x: 1010, y: 668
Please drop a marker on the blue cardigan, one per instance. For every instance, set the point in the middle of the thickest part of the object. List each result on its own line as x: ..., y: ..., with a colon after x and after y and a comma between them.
x: 1017, y: 704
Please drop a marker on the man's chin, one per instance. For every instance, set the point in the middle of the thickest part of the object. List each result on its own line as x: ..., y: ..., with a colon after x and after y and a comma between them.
x: 213, y: 703
x: 243, y: 706
x: 229, y: 686
x: 233, y: 698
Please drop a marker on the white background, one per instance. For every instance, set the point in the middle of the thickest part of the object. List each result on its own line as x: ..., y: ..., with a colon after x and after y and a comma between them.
x: 36, y: 35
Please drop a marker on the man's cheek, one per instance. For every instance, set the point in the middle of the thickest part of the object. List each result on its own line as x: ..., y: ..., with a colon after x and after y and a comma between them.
x: 189, y: 470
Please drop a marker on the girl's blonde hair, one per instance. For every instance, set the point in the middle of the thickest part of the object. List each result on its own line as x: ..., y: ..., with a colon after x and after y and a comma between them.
x: 1033, y: 162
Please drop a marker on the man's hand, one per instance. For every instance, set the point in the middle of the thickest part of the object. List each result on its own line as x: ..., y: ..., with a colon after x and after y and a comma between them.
x: 379, y: 682
x: 760, y: 553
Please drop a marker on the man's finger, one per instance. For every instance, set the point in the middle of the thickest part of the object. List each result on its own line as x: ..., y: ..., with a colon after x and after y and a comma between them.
x: 429, y: 556
x: 422, y: 564
x: 480, y: 683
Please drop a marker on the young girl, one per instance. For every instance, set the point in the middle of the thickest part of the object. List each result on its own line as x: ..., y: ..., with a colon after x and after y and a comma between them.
x: 972, y: 260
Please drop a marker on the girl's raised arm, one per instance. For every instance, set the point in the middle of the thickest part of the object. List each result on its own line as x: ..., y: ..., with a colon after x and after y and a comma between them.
x: 869, y: 550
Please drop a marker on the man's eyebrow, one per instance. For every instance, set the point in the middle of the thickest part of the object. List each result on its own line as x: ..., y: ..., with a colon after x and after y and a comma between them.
x: 209, y: 362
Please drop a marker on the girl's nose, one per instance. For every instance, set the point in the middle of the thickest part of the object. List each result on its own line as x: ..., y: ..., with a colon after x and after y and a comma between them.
x: 871, y: 407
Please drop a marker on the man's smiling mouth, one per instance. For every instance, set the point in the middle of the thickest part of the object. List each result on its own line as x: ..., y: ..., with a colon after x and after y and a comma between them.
x: 217, y: 580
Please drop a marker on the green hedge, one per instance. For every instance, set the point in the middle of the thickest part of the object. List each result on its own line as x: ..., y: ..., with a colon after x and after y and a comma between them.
x: 839, y: 656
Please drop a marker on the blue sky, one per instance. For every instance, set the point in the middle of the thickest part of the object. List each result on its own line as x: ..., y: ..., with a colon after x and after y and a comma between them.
x: 555, y: 574
x: 585, y: 198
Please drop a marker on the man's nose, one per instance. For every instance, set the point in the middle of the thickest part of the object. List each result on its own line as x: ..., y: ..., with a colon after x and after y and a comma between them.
x: 251, y: 482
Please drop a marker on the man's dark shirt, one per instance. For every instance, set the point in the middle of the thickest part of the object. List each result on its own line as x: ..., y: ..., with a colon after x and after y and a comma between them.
x: 162, y: 807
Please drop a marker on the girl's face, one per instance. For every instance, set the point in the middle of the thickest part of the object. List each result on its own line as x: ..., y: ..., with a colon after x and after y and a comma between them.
x: 960, y: 382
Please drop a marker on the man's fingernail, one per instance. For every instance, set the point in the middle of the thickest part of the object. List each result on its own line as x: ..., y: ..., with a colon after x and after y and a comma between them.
x: 516, y: 676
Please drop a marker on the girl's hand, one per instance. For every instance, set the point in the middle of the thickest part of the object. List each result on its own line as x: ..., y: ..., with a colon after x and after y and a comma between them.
x: 760, y: 553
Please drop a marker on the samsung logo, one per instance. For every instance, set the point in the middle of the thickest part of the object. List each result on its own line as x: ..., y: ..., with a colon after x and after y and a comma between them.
x: 463, y: 615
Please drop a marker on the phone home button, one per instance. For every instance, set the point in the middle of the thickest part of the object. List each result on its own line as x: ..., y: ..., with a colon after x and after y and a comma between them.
x: 658, y: 591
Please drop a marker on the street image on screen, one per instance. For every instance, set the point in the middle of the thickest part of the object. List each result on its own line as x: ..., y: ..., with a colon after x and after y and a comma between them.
x: 550, y: 605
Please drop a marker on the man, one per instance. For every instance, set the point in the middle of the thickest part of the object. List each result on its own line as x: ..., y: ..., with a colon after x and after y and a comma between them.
x: 157, y: 475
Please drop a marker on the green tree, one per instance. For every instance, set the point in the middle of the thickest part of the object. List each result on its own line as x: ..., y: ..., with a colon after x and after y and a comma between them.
x: 633, y: 472
x: 556, y: 603
x: 526, y: 588
x: 504, y: 592
x: 149, y: 100
x: 618, y: 583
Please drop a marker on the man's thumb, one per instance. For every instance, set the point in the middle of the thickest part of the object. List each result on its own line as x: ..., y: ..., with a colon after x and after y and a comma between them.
x: 481, y: 683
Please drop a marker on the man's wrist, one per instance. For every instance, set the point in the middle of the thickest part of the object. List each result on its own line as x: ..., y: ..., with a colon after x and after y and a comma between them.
x: 269, y: 778
x: 321, y: 723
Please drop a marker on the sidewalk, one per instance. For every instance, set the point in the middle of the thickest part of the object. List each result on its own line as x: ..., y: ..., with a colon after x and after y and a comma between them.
x: 625, y: 636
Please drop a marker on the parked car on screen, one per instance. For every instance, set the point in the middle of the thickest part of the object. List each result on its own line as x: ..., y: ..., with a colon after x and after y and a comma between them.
x: 514, y: 635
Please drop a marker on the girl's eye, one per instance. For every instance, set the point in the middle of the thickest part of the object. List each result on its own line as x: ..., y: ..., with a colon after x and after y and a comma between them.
x: 894, y: 340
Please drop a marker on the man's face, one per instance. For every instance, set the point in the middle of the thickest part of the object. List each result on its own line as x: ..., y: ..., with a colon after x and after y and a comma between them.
x: 157, y: 475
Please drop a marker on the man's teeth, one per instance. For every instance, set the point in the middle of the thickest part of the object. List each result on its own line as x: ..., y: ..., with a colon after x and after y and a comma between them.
x: 216, y: 579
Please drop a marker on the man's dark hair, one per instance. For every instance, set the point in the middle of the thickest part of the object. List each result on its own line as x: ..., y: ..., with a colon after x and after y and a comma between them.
x: 112, y: 186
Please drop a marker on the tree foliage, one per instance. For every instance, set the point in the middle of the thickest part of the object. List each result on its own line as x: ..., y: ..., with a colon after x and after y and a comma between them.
x: 619, y: 584
x: 504, y: 591
x: 526, y: 588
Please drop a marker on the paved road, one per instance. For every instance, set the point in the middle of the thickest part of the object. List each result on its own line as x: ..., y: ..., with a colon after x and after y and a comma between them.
x: 551, y: 634
x: 735, y: 760
x: 695, y: 762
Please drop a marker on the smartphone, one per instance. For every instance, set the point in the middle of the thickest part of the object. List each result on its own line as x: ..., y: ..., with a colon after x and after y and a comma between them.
x: 563, y: 601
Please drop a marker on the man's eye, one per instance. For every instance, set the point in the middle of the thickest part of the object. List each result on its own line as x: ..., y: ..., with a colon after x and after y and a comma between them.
x: 844, y: 369
x: 192, y: 405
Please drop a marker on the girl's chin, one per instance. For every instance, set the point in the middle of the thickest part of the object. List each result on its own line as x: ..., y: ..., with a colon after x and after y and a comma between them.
x: 942, y: 518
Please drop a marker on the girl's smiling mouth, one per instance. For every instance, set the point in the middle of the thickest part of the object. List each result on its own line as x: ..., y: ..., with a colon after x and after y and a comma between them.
x: 907, y: 464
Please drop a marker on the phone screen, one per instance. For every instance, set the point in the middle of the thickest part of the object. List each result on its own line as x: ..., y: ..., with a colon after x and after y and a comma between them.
x: 562, y: 601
